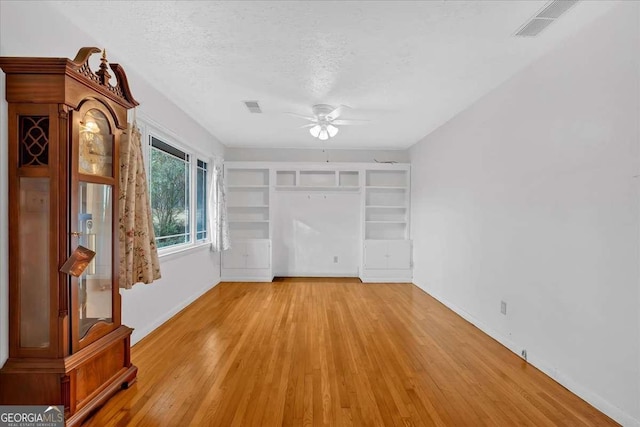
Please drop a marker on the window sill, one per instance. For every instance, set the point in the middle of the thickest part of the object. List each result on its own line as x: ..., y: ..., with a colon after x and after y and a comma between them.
x: 169, y: 253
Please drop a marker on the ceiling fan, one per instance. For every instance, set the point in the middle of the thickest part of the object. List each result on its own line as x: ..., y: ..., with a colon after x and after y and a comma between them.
x: 324, y: 122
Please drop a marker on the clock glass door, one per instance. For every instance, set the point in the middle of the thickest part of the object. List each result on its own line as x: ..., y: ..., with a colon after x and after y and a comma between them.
x: 95, y: 222
x: 95, y: 216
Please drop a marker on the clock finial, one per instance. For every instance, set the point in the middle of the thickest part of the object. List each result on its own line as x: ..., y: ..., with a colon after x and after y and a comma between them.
x: 103, y: 73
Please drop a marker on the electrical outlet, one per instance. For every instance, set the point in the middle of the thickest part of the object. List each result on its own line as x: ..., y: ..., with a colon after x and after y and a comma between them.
x: 335, y: 259
x: 503, y: 307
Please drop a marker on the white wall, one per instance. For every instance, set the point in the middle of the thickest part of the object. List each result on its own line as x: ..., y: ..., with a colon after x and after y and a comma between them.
x: 529, y: 197
x: 312, y: 155
x: 316, y: 233
x: 185, y: 276
x: 145, y: 306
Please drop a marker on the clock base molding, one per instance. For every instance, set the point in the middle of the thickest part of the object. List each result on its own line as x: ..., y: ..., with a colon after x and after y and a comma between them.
x: 123, y: 381
x: 62, y: 381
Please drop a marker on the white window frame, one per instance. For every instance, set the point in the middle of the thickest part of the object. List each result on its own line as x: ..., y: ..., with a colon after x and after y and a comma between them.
x: 149, y: 129
x: 207, y: 184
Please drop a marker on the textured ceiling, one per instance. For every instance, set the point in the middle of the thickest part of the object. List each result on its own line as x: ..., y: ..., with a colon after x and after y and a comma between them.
x: 407, y: 67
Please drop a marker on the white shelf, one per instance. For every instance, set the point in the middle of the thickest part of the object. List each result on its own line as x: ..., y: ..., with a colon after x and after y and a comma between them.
x: 249, y: 230
x: 349, y: 178
x: 315, y: 188
x: 247, y: 176
x: 248, y: 202
x: 384, y: 238
x: 384, y: 187
x: 314, y: 178
x: 286, y: 178
x: 385, y: 231
x: 386, y: 205
x: 317, y: 180
x: 394, y: 178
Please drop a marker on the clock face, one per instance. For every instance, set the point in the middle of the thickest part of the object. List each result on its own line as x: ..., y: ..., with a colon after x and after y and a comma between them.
x: 96, y: 145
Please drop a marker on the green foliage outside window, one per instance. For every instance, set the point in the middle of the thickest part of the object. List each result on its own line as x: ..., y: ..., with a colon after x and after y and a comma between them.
x: 169, y: 198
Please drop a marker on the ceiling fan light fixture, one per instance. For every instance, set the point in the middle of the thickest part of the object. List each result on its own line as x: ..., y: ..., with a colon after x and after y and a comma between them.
x: 324, y: 135
x: 315, y: 131
x: 322, y: 122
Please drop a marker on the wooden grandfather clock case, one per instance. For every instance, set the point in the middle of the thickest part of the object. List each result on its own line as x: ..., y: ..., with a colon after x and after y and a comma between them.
x: 67, y: 345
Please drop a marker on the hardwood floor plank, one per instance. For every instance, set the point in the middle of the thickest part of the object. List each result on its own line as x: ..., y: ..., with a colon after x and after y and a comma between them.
x: 332, y: 352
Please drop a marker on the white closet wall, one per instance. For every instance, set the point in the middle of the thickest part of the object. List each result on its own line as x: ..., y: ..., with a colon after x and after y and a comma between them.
x: 316, y: 233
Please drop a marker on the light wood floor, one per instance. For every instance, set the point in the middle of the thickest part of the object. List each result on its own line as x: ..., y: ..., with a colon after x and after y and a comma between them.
x: 332, y: 352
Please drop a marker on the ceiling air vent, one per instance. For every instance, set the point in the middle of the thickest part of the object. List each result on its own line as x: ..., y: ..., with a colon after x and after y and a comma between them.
x: 552, y: 11
x: 253, y: 106
x: 533, y: 27
x: 556, y: 8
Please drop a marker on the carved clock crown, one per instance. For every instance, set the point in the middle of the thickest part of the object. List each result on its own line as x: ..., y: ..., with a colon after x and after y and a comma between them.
x: 78, y: 69
x: 101, y: 77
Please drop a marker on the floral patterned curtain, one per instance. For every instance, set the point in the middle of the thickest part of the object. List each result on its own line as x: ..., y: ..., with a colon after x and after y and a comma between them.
x: 139, y: 261
x: 218, y: 211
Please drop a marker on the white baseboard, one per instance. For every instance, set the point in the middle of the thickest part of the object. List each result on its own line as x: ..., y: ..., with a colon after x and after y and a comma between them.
x: 139, y: 334
x: 579, y: 390
x: 247, y: 279
x: 386, y: 279
x: 346, y: 273
x: 384, y: 275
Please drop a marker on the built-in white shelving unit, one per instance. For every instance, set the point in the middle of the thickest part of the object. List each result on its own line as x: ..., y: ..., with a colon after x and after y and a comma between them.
x: 248, y: 213
x: 386, y: 204
x: 386, y: 248
x: 318, y: 179
x: 382, y: 190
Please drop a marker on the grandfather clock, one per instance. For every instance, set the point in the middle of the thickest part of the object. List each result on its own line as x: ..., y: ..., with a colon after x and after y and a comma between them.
x: 67, y: 345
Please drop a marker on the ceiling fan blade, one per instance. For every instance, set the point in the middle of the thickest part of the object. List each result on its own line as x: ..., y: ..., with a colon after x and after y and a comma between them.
x: 300, y: 116
x: 349, y: 122
x: 336, y: 112
x: 307, y: 126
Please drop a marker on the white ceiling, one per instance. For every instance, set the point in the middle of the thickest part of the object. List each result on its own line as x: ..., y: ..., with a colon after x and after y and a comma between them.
x: 407, y: 67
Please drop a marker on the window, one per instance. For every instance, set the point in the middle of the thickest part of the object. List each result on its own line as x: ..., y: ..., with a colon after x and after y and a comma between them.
x: 176, y: 221
x: 201, y: 201
x: 169, y: 174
